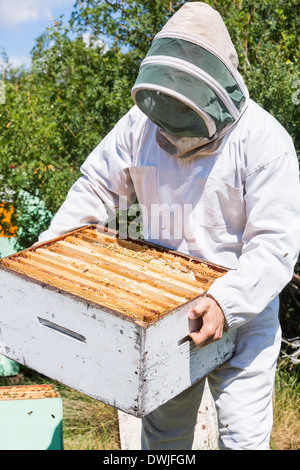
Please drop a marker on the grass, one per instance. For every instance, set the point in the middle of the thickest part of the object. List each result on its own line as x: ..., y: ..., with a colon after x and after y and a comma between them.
x: 286, y: 428
x: 88, y: 424
x: 91, y: 425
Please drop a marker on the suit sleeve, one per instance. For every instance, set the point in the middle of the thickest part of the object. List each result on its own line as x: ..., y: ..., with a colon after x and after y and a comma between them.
x: 271, y: 242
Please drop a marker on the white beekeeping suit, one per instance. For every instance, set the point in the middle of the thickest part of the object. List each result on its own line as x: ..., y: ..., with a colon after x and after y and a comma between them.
x: 217, y: 177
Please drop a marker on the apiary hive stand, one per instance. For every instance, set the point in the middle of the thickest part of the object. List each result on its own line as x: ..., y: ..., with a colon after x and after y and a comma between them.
x: 108, y: 317
x: 31, y: 418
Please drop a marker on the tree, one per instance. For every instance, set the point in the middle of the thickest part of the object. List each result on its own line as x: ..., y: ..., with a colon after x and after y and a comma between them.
x: 265, y: 35
x: 53, y: 117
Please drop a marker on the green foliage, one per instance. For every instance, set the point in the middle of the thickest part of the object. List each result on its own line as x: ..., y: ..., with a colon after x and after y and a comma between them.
x: 130, y: 24
x: 264, y: 34
x: 53, y: 117
x: 57, y: 112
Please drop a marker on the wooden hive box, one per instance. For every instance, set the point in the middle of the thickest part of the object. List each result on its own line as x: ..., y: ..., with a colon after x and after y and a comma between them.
x: 108, y: 317
x: 31, y: 418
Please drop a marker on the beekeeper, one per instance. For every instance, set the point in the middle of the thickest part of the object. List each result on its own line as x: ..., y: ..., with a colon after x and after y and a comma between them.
x: 216, y: 177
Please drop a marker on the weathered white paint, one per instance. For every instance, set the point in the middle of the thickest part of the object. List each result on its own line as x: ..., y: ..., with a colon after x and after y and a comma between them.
x: 133, y: 367
x: 105, y: 366
x: 170, y: 365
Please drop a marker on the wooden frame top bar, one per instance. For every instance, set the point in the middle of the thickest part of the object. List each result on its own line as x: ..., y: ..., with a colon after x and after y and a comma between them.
x: 28, y: 392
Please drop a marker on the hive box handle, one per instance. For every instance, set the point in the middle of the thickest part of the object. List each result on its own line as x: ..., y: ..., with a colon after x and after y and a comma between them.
x: 61, y: 329
x: 194, y: 325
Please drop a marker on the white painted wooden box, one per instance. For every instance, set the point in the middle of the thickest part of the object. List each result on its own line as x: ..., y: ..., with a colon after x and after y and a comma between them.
x: 108, y: 317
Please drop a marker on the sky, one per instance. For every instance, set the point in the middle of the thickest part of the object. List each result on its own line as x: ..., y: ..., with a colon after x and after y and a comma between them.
x: 22, y: 21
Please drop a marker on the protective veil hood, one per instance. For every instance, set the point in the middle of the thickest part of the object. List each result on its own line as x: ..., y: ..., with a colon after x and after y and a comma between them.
x: 188, y: 83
